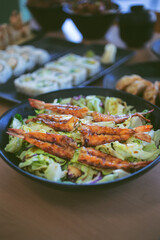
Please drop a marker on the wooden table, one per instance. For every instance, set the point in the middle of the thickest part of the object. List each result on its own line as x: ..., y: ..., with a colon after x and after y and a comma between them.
x: 29, y: 210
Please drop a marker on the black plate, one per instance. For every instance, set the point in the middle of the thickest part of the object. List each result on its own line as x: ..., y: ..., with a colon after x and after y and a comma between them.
x: 147, y: 70
x: 24, y: 109
x: 156, y: 47
x: 58, y: 47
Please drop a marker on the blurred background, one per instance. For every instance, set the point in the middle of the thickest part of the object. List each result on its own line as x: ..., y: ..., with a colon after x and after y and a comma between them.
x: 7, y: 7
x: 70, y: 26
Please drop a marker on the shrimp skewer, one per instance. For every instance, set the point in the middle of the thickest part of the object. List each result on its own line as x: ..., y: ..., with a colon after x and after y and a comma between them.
x: 95, y: 129
x: 95, y: 140
x: 58, y: 145
x: 99, y: 117
x: 60, y: 109
x: 97, y: 135
x: 56, y: 122
x: 96, y: 158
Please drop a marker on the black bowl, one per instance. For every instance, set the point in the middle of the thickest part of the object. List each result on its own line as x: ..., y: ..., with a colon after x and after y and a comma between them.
x: 49, y: 19
x: 92, y: 26
x: 137, y: 26
x: 24, y: 109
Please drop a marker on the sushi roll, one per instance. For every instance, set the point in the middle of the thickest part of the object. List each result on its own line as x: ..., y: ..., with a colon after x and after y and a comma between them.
x: 90, y: 64
x: 5, y: 71
x: 24, y: 83
x: 42, y: 56
x: 31, y: 86
x: 70, y: 58
x: 28, y: 48
x: 29, y: 58
x: 93, y: 66
x: 44, y: 72
x: 79, y: 74
x: 64, y: 79
x: 17, y: 64
x: 13, y: 49
x: 3, y: 55
x: 43, y: 86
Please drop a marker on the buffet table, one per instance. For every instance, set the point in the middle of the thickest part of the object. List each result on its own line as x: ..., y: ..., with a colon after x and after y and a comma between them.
x: 30, y: 210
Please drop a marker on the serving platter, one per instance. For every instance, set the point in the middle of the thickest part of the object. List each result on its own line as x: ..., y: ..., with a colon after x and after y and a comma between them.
x: 59, y: 47
x: 24, y: 109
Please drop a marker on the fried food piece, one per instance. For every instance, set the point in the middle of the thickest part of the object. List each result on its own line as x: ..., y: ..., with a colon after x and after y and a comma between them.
x: 151, y: 93
x: 100, y: 117
x: 56, y: 122
x: 125, y: 81
x: 58, y: 145
x: 136, y: 87
x: 95, y: 129
x: 95, y: 140
x: 60, y: 109
x: 96, y: 158
x: 73, y: 172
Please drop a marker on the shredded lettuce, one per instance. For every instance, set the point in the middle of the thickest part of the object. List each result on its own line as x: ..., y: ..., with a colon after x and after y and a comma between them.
x: 43, y: 166
x: 156, y: 137
x: 54, y: 172
x: 94, y: 104
x: 41, y: 163
x: 32, y: 151
x: 115, y: 106
x: 37, y: 126
x: 88, y: 173
x: 118, y: 173
x: 79, y: 101
x: 135, y: 122
x: 126, y: 151
x: 64, y: 101
x: 15, y: 144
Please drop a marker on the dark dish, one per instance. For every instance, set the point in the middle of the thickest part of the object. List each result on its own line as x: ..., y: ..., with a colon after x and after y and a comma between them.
x: 92, y: 19
x: 48, y: 14
x: 136, y: 26
x: 24, y: 109
x: 92, y: 7
x: 147, y: 70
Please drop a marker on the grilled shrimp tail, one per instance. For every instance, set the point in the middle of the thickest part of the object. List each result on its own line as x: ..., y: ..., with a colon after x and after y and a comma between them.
x: 36, y: 103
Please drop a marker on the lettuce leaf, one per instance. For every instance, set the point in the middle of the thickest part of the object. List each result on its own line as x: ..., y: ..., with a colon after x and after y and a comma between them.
x: 43, y: 166
x: 54, y: 172
x: 15, y: 144
x: 115, y: 106
x: 88, y: 173
x: 79, y: 101
x: 64, y: 101
x: 156, y: 137
x: 34, y: 151
x: 118, y: 173
x: 94, y: 104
